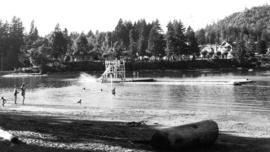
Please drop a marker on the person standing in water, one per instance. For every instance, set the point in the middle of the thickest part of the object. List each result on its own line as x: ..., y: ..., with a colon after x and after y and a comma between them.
x: 16, y: 92
x: 23, y: 92
x: 3, y: 101
x: 113, y: 91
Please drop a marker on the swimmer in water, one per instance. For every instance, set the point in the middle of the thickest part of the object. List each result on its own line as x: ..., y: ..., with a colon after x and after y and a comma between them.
x: 4, y: 101
x: 113, y: 91
x: 23, y: 92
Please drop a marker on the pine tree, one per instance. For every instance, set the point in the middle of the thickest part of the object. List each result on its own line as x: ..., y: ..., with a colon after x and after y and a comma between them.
x: 59, y: 43
x: 170, y: 40
x: 201, y: 37
x: 33, y: 34
x: 180, y: 38
x: 132, y: 44
x: 81, y: 45
x: 121, y: 32
x: 30, y: 41
x: 16, y: 39
x: 241, y: 51
x: 175, y: 38
x: 142, y: 42
x: 192, y: 44
x: 156, y: 42
x: 4, y: 38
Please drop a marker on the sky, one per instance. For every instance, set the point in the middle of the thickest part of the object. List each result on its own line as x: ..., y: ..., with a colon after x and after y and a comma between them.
x: 103, y: 15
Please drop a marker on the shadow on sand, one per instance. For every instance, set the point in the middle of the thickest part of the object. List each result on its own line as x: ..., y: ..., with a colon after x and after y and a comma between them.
x: 87, y: 135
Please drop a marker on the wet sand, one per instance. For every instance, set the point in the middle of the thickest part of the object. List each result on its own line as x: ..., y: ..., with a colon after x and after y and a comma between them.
x: 78, y: 128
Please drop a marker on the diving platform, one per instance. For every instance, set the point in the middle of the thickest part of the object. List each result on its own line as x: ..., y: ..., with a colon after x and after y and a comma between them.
x: 129, y: 80
x: 115, y: 72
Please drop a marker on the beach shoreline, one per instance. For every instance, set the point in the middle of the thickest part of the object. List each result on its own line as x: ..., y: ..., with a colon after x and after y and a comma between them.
x: 110, y: 129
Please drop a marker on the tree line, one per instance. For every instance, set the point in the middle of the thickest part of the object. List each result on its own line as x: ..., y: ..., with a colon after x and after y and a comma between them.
x: 128, y: 40
x: 247, y: 31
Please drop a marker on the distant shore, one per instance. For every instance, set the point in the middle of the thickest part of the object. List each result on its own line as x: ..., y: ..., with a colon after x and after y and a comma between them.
x: 144, y: 65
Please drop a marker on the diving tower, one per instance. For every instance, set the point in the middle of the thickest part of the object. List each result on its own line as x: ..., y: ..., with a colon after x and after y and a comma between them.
x: 115, y: 71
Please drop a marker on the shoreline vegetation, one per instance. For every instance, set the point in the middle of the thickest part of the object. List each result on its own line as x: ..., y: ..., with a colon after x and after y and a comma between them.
x: 147, y: 65
x: 245, y: 40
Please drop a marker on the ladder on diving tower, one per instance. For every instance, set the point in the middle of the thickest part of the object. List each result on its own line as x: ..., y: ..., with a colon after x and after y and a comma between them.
x: 114, y: 70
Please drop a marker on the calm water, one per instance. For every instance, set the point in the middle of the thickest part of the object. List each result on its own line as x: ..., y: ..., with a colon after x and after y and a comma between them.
x: 65, y: 89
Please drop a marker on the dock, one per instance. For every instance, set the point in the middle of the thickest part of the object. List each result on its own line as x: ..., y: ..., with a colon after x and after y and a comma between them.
x: 217, y: 81
x: 197, y: 82
x: 129, y: 80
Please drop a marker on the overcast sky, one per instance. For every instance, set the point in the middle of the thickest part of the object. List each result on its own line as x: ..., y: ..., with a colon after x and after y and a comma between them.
x: 103, y: 15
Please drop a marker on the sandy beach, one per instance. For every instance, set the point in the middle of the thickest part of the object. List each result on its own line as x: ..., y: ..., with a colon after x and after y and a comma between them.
x: 68, y: 129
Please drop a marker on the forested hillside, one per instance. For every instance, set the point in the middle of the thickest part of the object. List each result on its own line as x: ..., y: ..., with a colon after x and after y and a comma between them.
x: 251, y: 25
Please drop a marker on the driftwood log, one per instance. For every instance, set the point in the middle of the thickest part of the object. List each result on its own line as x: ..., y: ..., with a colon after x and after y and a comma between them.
x: 200, y: 134
x: 6, y: 136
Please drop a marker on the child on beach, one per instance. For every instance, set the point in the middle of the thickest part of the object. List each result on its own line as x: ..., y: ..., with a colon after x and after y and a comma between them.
x: 23, y: 92
x: 3, y: 101
x: 16, y: 92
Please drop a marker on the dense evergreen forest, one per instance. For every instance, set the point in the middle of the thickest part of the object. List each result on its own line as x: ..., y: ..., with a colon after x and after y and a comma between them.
x: 251, y: 27
x: 248, y: 31
x: 128, y: 40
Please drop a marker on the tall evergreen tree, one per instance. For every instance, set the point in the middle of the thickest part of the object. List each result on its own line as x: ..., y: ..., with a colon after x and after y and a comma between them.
x: 121, y: 32
x: 132, y: 44
x: 33, y: 33
x: 30, y: 41
x: 175, y: 38
x: 170, y: 40
x: 59, y: 43
x: 142, y: 41
x: 156, y: 42
x: 192, y: 44
x: 81, y: 44
x: 201, y: 36
x: 4, y: 38
x: 180, y: 38
x: 241, y: 51
x: 16, y: 39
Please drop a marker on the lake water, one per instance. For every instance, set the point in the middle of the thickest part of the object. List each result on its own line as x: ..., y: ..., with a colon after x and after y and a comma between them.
x: 65, y: 89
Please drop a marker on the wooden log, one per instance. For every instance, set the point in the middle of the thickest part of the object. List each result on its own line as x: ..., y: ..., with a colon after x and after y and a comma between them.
x: 6, y: 136
x: 200, y: 134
